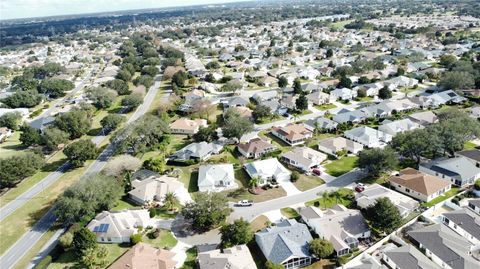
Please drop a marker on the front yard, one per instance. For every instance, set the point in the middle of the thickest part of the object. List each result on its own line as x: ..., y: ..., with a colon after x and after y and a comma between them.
x: 341, y: 166
x: 329, y: 199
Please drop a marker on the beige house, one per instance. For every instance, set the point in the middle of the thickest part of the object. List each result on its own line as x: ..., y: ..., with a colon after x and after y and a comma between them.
x: 303, y: 158
x: 256, y: 148
x: 142, y: 256
x: 153, y: 189
x: 419, y: 185
x: 335, y: 144
x: 319, y: 98
x: 237, y: 257
x: 186, y: 126
x: 292, y: 134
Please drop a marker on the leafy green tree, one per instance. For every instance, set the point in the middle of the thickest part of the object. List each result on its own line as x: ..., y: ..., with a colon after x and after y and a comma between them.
x: 83, y: 239
x: 447, y: 60
x: 30, y: 136
x: 261, y: 112
x: 345, y: 82
x: 144, y: 80
x: 111, y: 122
x: 384, y: 93
x: 135, y: 239
x: 155, y: 164
x: 282, y: 82
x: 101, y: 97
x: 232, y: 86
x: 75, y: 122
x: 271, y: 265
x: 383, y: 215
x: 412, y: 144
x: 150, y: 70
x: 329, y: 53
x: 361, y: 93
x: 212, y: 65
x: 120, y: 86
x: 11, y: 120
x: 235, y: 125
x: 170, y: 201
x: 26, y: 99
x: 53, y: 137
x: 179, y: 78
x: 132, y: 101
x: 208, y: 210
x: 25, y: 83
x: 16, y: 168
x: 87, y: 197
x: 363, y: 80
x: 124, y: 75
x: 80, y: 151
x: 376, y: 161
x: 54, y: 87
x: 47, y: 70
x: 301, y: 103
x: 66, y: 240
x: 457, y: 81
x: 238, y: 233
x: 321, y: 248
x: 297, y: 86
x: 95, y: 257
x: 207, y: 134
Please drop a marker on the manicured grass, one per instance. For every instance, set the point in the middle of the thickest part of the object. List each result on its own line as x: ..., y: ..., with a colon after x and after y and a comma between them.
x: 259, y: 223
x: 124, y: 203
x: 25, y: 260
x: 323, y: 264
x: 326, y: 106
x: 11, y: 146
x: 289, y: 213
x: 454, y: 191
x: 190, y: 260
x: 365, y: 99
x: 329, y: 199
x: 341, y: 166
x: 164, y: 214
x: 307, y: 182
x: 469, y: 145
x: 165, y: 240
x: 68, y: 259
x: 340, y: 24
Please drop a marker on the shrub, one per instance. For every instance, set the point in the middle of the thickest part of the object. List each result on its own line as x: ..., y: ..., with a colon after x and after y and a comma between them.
x: 135, y: 239
x: 295, y: 176
x: 477, y: 185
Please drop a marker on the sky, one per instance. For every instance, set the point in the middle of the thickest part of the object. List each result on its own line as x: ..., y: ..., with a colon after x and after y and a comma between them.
x: 14, y: 9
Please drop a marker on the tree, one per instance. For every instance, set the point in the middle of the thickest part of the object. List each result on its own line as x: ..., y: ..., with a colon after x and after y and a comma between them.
x: 261, y: 112
x: 301, y: 103
x: 203, y: 108
x: 234, y: 125
x: 80, y: 151
x: 271, y: 265
x: 412, y: 144
x: 132, y: 101
x: 345, y: 82
x: 75, y: 122
x: 385, y: 93
x: 83, y: 239
x: 53, y: 137
x: 155, y: 164
x: 66, y: 240
x: 87, y: 197
x: 400, y: 71
x: 238, y: 233
x: 150, y: 70
x: 95, y: 257
x: 26, y: 99
x: 135, y: 239
x: 111, y: 122
x: 170, y: 201
x: 383, y: 215
x: 212, y: 65
x: 457, y: 81
x: 232, y: 86
x: 376, y: 161
x: 447, y: 60
x: 144, y: 80
x: 30, y: 136
x: 101, y: 97
x: 207, y: 134
x: 363, y: 80
x: 120, y: 86
x: 329, y: 53
x: 297, y: 86
x: 124, y: 75
x: 361, y: 93
x: 16, y: 168
x: 54, y: 87
x: 208, y: 210
x: 122, y: 164
x: 179, y: 78
x: 11, y: 120
x: 282, y: 82
x: 321, y: 248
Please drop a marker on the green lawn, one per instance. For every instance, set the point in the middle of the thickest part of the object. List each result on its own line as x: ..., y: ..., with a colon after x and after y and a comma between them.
x: 289, y: 213
x: 190, y: 262
x: 11, y: 146
x: 340, y: 24
x: 124, y: 203
x: 307, y: 182
x: 329, y: 199
x: 165, y: 240
x: 326, y: 106
x: 341, y: 166
x: 68, y: 259
x: 469, y: 145
x: 454, y: 191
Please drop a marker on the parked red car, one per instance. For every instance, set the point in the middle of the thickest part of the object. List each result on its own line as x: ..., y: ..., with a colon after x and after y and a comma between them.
x: 316, y: 171
x: 360, y: 187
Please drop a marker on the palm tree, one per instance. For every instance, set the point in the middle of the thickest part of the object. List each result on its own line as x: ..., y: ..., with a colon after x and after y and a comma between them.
x: 253, y: 183
x: 170, y: 201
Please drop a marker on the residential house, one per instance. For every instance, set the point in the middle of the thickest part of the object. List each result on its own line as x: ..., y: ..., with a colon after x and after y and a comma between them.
x: 256, y: 148
x: 117, y: 227
x: 343, y: 94
x: 303, y: 158
x: 369, y: 196
x: 216, y: 177
x: 371, y: 89
x: 292, y: 134
x: 286, y: 243
x: 399, y: 126
x: 474, y: 204
x: 466, y: 223
x: 424, y: 118
x: 350, y: 117
x: 341, y: 226
x: 459, y: 170
x: 237, y: 257
x: 473, y: 155
x: 319, y: 98
x: 368, y: 137
x: 334, y: 145
x: 143, y: 256
x: 416, y: 184
x: 267, y: 170
x: 321, y: 124
x: 407, y: 257
x: 444, y: 247
x: 187, y: 126
x: 260, y: 97
x: 155, y: 188
x: 237, y: 101
x: 197, y: 151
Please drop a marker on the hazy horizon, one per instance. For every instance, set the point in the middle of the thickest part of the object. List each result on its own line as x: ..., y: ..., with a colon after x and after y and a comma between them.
x: 24, y: 9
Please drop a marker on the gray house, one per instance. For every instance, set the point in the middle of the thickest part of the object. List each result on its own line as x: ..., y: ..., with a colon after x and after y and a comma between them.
x: 286, y: 243
x: 321, y: 123
x: 197, y: 151
x: 459, y: 170
x: 407, y: 257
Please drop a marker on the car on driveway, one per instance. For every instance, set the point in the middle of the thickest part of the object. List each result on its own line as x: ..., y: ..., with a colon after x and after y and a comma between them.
x: 360, y: 187
x: 244, y: 203
x: 316, y: 171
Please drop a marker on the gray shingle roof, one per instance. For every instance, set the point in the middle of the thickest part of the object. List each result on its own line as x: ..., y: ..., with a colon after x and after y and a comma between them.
x: 408, y: 257
x: 467, y: 220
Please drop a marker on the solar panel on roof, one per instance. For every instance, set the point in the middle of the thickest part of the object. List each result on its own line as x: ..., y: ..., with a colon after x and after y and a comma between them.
x: 103, y: 228
x: 95, y: 229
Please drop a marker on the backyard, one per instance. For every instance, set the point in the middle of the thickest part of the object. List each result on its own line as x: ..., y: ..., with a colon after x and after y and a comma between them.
x: 341, y: 166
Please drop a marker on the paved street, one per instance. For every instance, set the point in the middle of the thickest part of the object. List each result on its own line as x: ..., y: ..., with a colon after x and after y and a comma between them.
x: 28, y: 240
